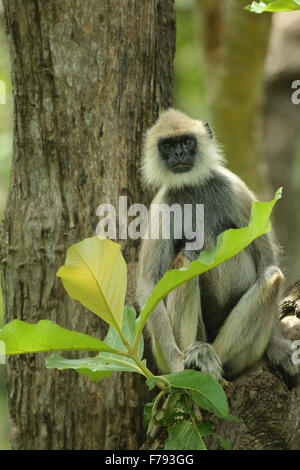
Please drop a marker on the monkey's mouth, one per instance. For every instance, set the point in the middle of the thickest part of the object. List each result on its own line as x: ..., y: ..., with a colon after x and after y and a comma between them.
x: 180, y: 167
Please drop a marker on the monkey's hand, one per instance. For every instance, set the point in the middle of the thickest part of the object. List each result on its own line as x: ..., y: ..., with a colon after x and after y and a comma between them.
x: 202, y: 356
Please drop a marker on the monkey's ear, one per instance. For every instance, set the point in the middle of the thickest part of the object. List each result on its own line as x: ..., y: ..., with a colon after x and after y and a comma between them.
x: 209, y: 131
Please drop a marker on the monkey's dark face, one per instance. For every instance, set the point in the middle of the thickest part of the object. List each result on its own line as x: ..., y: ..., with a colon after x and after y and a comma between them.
x: 178, y: 152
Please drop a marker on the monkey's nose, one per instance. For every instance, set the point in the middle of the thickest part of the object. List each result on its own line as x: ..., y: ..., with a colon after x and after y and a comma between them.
x: 179, y: 153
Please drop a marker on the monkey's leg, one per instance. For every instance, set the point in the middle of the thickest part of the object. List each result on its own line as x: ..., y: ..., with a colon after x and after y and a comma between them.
x: 184, y: 309
x: 246, y: 332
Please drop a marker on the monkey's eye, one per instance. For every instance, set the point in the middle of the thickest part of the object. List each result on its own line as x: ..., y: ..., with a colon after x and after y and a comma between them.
x: 188, y: 141
x: 167, y: 145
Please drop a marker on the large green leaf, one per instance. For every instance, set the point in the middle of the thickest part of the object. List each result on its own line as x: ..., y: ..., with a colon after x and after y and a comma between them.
x: 274, y: 6
x: 228, y: 244
x: 95, y: 274
x: 203, y: 389
x: 187, y: 436
x: 21, y: 337
x: 105, y: 363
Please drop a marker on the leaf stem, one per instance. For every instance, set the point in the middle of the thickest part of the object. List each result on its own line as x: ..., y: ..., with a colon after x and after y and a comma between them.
x: 124, y: 340
x: 147, y: 372
x: 155, y: 404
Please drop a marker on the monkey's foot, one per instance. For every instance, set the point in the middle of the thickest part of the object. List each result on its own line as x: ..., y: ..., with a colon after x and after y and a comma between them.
x: 202, y: 356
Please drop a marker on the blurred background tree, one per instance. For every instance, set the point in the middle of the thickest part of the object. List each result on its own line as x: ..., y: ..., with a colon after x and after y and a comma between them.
x: 233, y: 49
x: 281, y: 131
x: 234, y: 69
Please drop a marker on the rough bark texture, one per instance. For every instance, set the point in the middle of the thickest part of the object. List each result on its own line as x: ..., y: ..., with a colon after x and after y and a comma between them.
x: 290, y: 304
x: 89, y: 77
x: 268, y: 408
x: 234, y: 44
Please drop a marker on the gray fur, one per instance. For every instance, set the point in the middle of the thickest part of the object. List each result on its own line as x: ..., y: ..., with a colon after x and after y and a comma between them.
x: 223, y: 321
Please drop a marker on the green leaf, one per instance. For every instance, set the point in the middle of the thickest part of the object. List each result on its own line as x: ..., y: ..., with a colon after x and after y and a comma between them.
x: 204, y: 390
x: 129, y: 327
x: 274, y: 6
x: 228, y: 244
x: 21, y: 337
x: 105, y: 363
x: 224, y: 443
x: 187, y: 436
x: 150, y: 383
x: 230, y: 417
x: 95, y: 274
x: 178, y: 404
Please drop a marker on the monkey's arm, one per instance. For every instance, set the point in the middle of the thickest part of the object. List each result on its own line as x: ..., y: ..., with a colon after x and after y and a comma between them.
x: 155, y: 259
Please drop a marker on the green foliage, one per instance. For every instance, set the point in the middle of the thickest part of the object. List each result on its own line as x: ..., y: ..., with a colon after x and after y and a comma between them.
x: 201, y: 387
x: 188, y: 392
x: 274, y: 6
x: 108, y: 362
x: 21, y: 337
x: 187, y: 436
x: 95, y: 274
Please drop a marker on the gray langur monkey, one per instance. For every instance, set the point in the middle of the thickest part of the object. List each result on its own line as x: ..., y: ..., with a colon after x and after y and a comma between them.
x: 223, y: 321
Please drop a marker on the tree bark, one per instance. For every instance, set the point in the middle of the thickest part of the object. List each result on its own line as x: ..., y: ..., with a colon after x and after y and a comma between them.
x: 88, y: 79
x: 234, y: 44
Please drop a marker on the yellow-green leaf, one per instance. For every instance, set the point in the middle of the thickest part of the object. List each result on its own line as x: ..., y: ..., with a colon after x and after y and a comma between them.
x: 95, y: 273
x: 20, y: 337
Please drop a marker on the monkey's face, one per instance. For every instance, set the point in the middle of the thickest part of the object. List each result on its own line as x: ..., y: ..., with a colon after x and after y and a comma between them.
x: 178, y: 152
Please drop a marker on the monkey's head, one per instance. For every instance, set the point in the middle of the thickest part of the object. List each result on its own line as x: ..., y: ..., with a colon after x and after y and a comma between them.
x: 179, y: 151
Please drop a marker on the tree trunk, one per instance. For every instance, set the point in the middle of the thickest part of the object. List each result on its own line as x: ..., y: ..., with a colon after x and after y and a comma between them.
x: 88, y: 79
x: 234, y: 44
